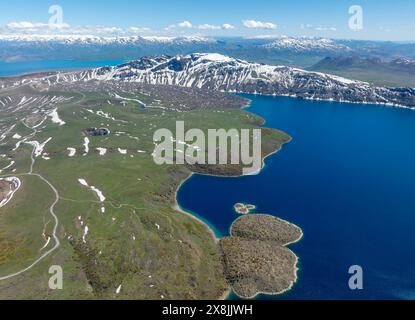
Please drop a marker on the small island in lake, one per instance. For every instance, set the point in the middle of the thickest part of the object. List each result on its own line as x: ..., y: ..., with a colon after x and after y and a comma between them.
x: 243, y: 208
x: 255, y: 257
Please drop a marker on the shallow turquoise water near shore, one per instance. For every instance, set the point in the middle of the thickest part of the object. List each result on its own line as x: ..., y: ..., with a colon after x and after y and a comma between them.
x: 347, y: 179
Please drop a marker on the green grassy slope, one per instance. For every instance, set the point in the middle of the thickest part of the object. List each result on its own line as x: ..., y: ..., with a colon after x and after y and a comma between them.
x: 140, y: 243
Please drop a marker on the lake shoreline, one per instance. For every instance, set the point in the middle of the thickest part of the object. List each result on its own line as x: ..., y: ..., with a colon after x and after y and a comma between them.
x: 212, y: 230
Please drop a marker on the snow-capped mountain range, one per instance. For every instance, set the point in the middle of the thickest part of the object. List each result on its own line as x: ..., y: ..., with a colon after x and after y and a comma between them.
x: 295, y: 45
x: 303, y: 45
x: 212, y: 71
x: 294, y: 51
x: 98, y: 40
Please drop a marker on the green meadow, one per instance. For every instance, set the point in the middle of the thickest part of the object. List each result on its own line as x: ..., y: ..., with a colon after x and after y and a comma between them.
x: 140, y: 244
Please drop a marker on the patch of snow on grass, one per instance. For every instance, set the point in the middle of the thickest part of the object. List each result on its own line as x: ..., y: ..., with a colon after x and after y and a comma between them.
x: 15, y: 184
x: 46, y: 244
x: 83, y: 182
x: 118, y: 291
x: 72, y: 151
x: 98, y: 193
x: 38, y: 148
x: 102, y: 151
x: 55, y: 117
x: 86, y: 231
x: 86, y: 145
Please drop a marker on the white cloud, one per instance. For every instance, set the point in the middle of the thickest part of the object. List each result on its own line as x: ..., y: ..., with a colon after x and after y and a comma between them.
x: 227, y: 26
x: 207, y: 26
x: 24, y: 25
x: 33, y: 26
x: 253, y: 24
x: 185, y: 24
x: 108, y: 30
x: 38, y: 28
x: 139, y: 29
x: 27, y: 27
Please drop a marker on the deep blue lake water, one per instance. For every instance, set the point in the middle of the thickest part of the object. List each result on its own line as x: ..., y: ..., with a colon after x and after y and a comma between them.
x: 347, y: 179
x: 23, y: 67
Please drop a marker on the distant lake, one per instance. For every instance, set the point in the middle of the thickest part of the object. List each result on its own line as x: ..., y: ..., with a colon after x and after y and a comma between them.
x: 347, y: 179
x: 8, y: 69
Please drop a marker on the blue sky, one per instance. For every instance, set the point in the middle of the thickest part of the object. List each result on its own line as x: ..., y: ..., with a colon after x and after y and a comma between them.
x: 382, y: 19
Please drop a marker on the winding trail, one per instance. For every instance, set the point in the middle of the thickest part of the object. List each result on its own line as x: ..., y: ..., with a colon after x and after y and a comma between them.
x: 51, y: 208
x: 55, y: 228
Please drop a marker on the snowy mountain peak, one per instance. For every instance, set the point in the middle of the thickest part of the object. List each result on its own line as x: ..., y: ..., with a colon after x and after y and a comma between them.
x: 214, y: 57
